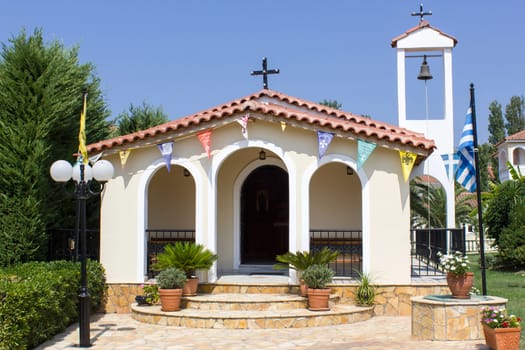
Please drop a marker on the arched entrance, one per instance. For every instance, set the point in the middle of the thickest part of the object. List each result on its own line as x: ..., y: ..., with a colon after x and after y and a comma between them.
x: 264, y: 215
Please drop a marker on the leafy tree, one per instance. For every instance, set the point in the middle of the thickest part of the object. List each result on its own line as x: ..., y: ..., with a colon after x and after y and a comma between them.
x: 514, y: 113
x: 496, y: 123
x: 502, y: 201
x: 41, y: 89
x: 331, y: 103
x: 138, y: 118
x: 487, y: 161
x: 511, y: 243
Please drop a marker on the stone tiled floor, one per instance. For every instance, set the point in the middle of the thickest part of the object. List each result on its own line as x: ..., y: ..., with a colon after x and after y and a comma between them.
x: 120, y: 331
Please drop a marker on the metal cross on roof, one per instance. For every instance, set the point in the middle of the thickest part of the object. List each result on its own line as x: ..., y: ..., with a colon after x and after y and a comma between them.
x: 264, y: 72
x: 421, y: 14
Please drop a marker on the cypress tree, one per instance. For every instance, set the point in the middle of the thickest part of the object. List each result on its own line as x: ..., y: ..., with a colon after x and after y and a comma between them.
x: 41, y: 89
x: 496, y: 123
x: 514, y: 113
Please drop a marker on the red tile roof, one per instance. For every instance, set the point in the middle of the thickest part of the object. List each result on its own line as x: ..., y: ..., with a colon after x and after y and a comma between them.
x: 421, y: 25
x: 519, y: 136
x: 281, y: 107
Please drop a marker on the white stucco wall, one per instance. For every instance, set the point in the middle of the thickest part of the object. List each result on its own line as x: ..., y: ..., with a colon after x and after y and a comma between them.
x: 378, y: 186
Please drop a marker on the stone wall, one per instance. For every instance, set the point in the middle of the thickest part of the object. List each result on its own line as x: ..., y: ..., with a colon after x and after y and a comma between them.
x: 121, y: 296
x: 391, y: 300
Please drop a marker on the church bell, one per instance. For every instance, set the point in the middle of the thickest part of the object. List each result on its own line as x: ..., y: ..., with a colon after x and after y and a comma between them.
x: 424, y: 71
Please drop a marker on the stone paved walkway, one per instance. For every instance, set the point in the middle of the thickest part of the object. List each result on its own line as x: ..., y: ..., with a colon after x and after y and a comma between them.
x: 120, y: 331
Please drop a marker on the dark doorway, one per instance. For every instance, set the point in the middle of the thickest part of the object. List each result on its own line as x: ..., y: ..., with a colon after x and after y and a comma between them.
x: 264, y: 215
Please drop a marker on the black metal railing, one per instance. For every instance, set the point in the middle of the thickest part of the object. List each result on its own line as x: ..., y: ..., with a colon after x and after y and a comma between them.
x: 427, y: 243
x: 348, y: 243
x: 63, y: 244
x: 159, y: 238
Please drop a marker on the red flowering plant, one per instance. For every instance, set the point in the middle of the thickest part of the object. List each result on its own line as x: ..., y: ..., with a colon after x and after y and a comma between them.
x: 496, y: 317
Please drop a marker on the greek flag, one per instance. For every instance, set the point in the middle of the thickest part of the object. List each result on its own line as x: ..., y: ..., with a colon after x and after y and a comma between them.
x: 466, y: 172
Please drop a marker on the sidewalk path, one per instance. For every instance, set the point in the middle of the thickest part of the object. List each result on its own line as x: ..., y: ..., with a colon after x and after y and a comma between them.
x: 118, y: 331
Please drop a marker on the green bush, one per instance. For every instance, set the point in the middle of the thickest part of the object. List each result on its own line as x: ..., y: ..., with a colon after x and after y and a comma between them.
x: 39, y: 300
x: 171, y: 278
x: 318, y: 276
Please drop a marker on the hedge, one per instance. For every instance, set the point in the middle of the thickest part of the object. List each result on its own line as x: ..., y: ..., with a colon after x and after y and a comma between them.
x: 40, y: 299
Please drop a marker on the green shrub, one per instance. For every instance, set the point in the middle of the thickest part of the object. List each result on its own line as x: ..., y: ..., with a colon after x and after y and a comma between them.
x: 300, y: 261
x: 39, y: 300
x: 186, y: 256
x: 366, y: 291
x: 171, y: 278
x: 318, y: 276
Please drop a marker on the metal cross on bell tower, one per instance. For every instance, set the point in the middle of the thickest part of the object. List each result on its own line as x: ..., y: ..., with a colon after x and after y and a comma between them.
x: 421, y: 14
x: 264, y: 72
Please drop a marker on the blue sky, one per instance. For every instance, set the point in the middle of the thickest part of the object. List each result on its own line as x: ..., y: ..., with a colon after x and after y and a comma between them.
x: 187, y: 56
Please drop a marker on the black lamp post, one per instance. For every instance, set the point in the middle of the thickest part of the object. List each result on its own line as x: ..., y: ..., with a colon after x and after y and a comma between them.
x: 102, y: 171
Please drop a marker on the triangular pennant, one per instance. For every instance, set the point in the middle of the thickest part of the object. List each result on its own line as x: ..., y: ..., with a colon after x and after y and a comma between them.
x: 205, y: 139
x: 407, y: 163
x: 244, y: 125
x: 323, y: 139
x: 283, y: 126
x: 364, y: 149
x: 124, y: 154
x: 95, y: 158
x: 166, y: 149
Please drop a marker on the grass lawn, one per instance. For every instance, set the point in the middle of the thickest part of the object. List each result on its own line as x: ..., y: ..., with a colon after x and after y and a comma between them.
x: 505, y: 284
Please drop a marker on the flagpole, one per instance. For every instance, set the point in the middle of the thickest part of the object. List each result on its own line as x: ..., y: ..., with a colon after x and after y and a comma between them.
x: 478, y: 193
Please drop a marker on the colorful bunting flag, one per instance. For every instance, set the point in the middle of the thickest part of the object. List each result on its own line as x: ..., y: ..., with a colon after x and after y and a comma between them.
x: 205, y: 139
x: 244, y: 125
x: 95, y: 158
x: 407, y: 163
x: 124, y: 154
x: 82, y: 150
x: 323, y: 139
x: 166, y: 149
x: 283, y: 126
x: 364, y: 149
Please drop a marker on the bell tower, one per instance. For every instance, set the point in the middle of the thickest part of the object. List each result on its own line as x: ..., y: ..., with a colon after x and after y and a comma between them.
x: 429, y: 45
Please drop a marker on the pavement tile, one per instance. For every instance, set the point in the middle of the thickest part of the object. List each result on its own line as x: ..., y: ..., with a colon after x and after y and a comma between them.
x: 120, y: 331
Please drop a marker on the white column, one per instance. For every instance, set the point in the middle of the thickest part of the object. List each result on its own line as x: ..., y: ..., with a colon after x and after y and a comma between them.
x: 401, y: 88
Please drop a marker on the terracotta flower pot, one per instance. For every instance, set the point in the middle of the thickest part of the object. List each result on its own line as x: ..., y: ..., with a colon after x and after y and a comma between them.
x: 502, y: 338
x: 170, y: 299
x: 318, y: 299
x: 460, y: 285
x: 191, y: 286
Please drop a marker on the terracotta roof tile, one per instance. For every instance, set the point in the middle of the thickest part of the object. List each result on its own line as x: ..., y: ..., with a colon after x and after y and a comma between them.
x: 519, y: 136
x: 421, y: 25
x: 268, y: 103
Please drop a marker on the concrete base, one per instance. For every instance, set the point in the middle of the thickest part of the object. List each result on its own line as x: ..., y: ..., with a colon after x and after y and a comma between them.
x: 441, y: 317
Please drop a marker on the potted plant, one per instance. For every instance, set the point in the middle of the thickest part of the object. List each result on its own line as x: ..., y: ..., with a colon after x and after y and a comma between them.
x: 501, y: 330
x: 317, y: 277
x: 366, y: 291
x: 300, y: 261
x: 171, y: 281
x: 150, y: 294
x: 188, y: 257
x: 459, y: 276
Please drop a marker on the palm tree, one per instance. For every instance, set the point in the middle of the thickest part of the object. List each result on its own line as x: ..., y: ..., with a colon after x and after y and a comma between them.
x: 428, y: 203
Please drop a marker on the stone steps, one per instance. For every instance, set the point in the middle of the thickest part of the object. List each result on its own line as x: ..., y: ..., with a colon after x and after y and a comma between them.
x: 252, y: 319
x: 255, y: 302
x: 246, y: 302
